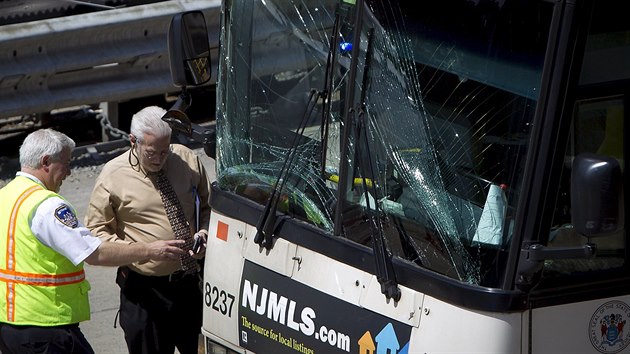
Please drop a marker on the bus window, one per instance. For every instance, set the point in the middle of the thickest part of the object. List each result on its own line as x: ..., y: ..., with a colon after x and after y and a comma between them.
x: 598, y: 128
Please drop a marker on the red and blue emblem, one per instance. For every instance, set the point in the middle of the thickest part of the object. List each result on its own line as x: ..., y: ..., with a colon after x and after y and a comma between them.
x: 66, y: 216
x: 608, y: 328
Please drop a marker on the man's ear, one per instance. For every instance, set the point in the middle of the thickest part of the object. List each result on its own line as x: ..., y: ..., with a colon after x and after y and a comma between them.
x: 132, y: 139
x: 46, y: 161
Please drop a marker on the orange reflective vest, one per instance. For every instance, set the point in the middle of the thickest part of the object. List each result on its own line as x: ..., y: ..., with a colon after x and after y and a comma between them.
x: 38, y: 286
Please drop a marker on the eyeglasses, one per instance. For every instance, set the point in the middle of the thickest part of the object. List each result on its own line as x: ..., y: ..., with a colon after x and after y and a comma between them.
x: 152, y: 154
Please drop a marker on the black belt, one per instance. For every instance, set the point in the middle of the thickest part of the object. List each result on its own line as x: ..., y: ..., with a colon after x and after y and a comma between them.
x: 180, y: 275
x: 151, y: 279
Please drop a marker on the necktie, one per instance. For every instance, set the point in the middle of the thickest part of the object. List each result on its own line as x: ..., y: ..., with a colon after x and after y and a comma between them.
x: 177, y: 219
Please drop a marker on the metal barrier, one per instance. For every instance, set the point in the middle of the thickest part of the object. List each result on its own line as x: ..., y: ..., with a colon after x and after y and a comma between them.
x: 106, y: 56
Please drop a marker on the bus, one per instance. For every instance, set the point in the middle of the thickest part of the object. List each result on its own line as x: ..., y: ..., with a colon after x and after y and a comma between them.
x: 392, y: 177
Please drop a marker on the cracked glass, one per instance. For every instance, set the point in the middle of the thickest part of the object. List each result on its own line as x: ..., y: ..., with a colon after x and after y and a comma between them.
x: 415, y: 128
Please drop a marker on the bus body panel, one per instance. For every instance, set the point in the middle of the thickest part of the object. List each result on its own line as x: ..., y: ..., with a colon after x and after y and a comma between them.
x: 583, y: 327
x: 430, y: 325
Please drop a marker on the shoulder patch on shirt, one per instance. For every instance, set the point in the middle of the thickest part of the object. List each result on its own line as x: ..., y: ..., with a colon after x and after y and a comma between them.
x: 65, y: 215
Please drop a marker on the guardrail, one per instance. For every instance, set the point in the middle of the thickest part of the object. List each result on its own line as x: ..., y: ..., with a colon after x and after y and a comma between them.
x: 105, y: 56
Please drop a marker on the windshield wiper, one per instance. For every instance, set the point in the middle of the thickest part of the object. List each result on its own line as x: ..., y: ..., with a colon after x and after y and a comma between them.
x: 384, y: 267
x: 382, y: 257
x: 267, y: 222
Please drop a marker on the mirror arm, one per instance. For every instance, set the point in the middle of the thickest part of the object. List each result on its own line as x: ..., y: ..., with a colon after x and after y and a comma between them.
x: 533, y: 256
x: 176, y: 115
x: 537, y: 252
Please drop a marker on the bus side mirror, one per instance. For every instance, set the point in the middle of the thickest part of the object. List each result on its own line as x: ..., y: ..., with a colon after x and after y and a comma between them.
x: 189, y: 55
x: 597, y: 204
x: 189, y: 49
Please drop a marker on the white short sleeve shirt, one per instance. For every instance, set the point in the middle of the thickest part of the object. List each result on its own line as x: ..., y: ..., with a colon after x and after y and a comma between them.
x: 55, y: 224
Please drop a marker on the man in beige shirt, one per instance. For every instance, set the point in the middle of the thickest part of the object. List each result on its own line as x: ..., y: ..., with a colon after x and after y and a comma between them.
x: 161, y: 303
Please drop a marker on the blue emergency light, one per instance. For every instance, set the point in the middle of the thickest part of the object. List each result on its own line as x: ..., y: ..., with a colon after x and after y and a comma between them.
x: 345, y: 47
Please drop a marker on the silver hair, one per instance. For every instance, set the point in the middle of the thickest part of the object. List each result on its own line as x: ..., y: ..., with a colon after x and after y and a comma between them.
x: 149, y: 121
x: 43, y: 142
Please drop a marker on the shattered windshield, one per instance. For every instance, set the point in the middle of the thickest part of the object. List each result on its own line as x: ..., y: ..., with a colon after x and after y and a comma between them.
x: 416, y: 128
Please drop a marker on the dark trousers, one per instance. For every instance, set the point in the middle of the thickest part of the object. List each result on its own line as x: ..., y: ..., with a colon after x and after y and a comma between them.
x: 158, y: 314
x: 50, y: 340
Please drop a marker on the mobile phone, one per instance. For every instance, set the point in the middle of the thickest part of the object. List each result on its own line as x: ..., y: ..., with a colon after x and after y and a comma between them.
x: 197, y: 244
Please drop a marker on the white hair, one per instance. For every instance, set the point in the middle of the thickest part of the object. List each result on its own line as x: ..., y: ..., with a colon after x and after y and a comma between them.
x: 149, y: 121
x: 43, y: 142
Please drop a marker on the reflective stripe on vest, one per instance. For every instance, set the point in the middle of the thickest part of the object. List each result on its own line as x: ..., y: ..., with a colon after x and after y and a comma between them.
x: 41, y: 279
x: 11, y: 277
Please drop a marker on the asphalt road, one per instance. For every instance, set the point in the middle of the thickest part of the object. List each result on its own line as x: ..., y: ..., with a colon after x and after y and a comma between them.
x: 102, y: 330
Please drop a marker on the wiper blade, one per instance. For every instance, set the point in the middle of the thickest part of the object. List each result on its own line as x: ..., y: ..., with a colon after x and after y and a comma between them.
x: 384, y: 267
x: 385, y: 273
x: 267, y: 223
